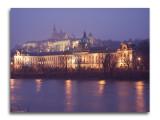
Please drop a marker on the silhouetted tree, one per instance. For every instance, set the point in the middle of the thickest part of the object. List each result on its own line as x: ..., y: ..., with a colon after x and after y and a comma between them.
x: 142, y: 50
x: 109, y: 63
x: 127, y: 61
x: 78, y: 63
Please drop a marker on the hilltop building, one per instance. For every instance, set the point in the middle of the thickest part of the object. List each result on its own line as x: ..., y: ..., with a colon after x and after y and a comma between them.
x: 63, y: 51
x: 59, y: 41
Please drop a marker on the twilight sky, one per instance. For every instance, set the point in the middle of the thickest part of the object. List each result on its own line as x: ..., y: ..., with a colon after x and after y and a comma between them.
x: 104, y: 23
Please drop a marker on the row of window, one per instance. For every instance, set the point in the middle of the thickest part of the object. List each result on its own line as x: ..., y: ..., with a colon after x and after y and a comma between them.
x: 56, y: 59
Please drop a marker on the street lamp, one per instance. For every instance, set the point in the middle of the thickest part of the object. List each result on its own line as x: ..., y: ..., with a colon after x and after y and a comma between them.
x: 139, y: 62
x: 139, y: 59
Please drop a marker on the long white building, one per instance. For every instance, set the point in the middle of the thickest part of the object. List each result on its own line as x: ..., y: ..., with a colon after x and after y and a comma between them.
x: 122, y: 58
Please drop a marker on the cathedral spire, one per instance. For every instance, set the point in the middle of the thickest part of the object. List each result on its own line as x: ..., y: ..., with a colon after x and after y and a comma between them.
x: 84, y: 35
x: 54, y: 28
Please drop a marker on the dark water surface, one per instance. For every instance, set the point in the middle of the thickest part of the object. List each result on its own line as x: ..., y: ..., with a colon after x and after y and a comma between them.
x: 57, y: 95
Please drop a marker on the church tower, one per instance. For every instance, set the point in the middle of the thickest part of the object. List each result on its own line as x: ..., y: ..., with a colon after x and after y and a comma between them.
x: 54, y: 29
x: 91, y: 39
x: 84, y: 43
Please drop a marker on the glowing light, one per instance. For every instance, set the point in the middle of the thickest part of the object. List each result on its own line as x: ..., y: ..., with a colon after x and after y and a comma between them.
x: 139, y: 58
x: 12, y: 83
x: 102, y: 82
x: 139, y: 86
x: 68, y: 82
x: 139, y: 96
x: 68, y: 86
x: 38, y: 85
x: 73, y: 60
x: 101, y: 86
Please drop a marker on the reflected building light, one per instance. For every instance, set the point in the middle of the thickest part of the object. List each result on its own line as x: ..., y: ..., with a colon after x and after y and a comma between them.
x: 12, y: 84
x: 13, y: 98
x: 123, y: 93
x: 38, y: 85
x: 101, y: 86
x: 68, y: 90
x: 139, y: 96
x: 68, y: 83
x: 102, y: 82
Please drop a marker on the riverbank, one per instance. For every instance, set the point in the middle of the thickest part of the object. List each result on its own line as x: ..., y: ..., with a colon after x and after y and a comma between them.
x: 84, y: 75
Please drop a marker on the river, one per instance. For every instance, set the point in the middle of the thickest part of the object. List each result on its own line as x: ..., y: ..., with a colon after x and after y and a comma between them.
x: 59, y: 95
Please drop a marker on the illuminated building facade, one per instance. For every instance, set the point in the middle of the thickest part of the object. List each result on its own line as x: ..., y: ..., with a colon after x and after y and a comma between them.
x: 83, y: 60
x: 64, y: 51
x: 75, y: 60
x: 58, y: 42
x: 125, y: 55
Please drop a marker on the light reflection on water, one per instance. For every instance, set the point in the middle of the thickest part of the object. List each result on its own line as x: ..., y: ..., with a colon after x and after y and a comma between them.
x: 14, y: 84
x: 38, y: 85
x: 101, y: 86
x: 68, y: 90
x: 41, y: 95
x: 140, y: 96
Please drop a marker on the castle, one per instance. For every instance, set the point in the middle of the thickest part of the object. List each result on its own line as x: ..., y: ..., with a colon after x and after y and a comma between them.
x: 59, y: 42
x: 64, y: 51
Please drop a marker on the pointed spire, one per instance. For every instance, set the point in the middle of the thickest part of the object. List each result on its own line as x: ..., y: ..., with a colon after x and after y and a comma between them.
x: 54, y: 28
x: 84, y: 35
